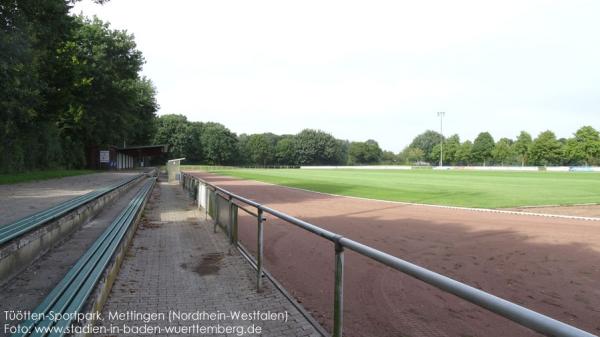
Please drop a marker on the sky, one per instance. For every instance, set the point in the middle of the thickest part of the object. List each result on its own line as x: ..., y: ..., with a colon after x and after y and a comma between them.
x: 370, y: 69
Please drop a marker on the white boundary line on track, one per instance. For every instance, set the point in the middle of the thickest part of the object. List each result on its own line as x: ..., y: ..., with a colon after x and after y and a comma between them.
x: 469, y: 209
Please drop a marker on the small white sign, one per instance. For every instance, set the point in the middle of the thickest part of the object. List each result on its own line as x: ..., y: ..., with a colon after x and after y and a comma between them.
x: 104, y: 156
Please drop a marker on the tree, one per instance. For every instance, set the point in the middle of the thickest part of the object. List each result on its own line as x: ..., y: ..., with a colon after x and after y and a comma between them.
x: 342, y: 152
x: 374, y: 152
x: 503, y: 152
x: 464, y: 153
x: 30, y: 35
x: 243, y: 152
x: 482, y: 148
x: 66, y: 84
x: 176, y: 131
x: 219, y: 144
x: 451, y: 146
x: 261, y: 149
x: 390, y: 158
x: 584, y: 147
x: 411, y: 155
x: 285, y: 150
x: 108, y: 102
x: 434, y: 156
x: 546, y: 150
x: 357, y: 153
x: 426, y: 142
x: 522, y: 146
x: 315, y: 147
x: 193, y: 148
x: 367, y: 152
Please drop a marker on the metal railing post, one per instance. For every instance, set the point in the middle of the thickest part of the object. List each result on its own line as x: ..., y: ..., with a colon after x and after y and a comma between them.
x: 230, y: 211
x: 234, y: 215
x: 338, y: 295
x: 198, y: 194
x: 207, y: 195
x: 216, y: 209
x: 259, y: 252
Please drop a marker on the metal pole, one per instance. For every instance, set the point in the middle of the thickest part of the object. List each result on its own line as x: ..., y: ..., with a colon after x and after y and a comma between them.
x: 441, y: 116
x: 198, y: 194
x: 234, y: 215
x: 259, y: 252
x: 216, y: 209
x: 206, y: 195
x: 338, y: 296
x: 230, y: 218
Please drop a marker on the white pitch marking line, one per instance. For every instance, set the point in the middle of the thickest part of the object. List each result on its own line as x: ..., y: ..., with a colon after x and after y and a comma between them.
x: 470, y: 209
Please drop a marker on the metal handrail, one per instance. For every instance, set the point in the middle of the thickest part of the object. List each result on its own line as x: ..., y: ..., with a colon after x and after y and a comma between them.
x: 516, y: 313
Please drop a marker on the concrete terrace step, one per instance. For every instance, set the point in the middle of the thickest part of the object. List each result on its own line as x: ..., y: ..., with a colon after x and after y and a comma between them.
x: 26, y: 290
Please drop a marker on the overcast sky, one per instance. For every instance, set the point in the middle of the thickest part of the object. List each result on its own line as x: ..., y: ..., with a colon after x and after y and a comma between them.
x: 370, y: 69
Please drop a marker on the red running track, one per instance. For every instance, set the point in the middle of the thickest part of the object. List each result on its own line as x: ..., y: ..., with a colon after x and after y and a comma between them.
x: 546, y: 264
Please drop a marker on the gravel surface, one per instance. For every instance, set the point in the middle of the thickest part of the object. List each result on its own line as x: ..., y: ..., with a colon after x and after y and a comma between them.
x: 20, y: 200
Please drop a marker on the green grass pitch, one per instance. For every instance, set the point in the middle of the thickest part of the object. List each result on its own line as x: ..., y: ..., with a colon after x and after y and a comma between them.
x: 455, y: 188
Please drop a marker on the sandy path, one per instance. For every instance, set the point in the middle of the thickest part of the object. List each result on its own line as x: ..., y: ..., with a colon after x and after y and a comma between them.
x: 546, y: 264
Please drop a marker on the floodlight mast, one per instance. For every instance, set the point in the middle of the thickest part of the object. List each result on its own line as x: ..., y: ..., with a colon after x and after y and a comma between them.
x: 441, y: 116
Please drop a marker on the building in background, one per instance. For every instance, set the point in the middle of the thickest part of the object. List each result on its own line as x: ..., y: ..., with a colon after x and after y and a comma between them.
x: 129, y: 157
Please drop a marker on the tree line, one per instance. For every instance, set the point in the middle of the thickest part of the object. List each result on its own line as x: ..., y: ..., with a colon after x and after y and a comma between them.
x: 67, y: 83
x: 583, y: 148
x: 213, y: 143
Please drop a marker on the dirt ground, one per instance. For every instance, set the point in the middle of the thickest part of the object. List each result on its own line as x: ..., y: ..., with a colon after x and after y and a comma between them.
x: 546, y: 264
x: 19, y: 200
